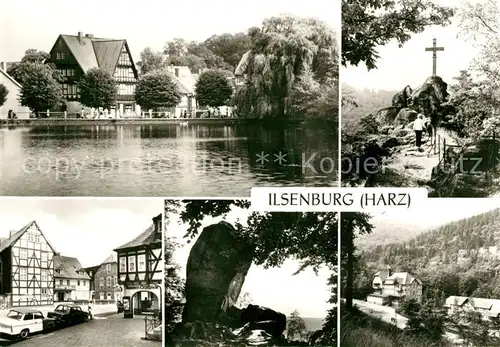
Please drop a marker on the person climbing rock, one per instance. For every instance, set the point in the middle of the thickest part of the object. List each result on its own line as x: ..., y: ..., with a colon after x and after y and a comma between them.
x: 418, y: 127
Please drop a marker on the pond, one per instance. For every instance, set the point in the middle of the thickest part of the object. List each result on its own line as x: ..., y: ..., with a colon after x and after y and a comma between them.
x: 168, y: 160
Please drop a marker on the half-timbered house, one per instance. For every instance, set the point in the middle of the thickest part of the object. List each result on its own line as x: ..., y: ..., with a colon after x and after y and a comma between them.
x: 75, y: 55
x: 27, y: 267
x: 140, y: 268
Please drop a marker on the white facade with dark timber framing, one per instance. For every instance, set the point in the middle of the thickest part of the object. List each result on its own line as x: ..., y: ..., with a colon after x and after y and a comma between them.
x: 27, y: 267
x: 140, y: 268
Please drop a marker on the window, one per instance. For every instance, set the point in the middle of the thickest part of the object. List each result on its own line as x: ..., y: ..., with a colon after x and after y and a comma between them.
x: 141, y: 262
x: 126, y: 89
x: 23, y: 253
x: 101, y: 282
x: 67, y: 282
x: 78, y: 283
x: 23, y: 272
x: 109, y: 296
x: 44, y: 275
x: 28, y: 316
x: 123, y: 264
x: 124, y: 58
x: 108, y: 267
x: 84, y: 283
x: 38, y: 315
x: 45, y: 291
x: 37, y: 238
x: 101, y: 296
x: 124, y: 74
x: 131, y: 263
x: 108, y: 282
x: 61, y: 282
x: 44, y: 256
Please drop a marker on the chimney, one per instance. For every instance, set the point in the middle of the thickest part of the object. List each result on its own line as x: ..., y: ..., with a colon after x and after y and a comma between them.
x: 176, y: 72
x: 80, y: 36
x: 12, y: 232
x: 389, y: 270
x: 3, y: 65
x: 90, y: 36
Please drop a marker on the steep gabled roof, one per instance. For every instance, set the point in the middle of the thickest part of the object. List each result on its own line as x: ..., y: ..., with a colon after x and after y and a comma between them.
x: 69, y: 267
x: 107, y: 53
x: 9, y: 242
x: 92, y: 52
x: 110, y: 259
x: 404, y: 278
x: 82, y: 49
x: 149, y: 236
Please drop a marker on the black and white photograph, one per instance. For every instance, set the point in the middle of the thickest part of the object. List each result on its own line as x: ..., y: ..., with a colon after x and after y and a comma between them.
x: 240, y: 278
x: 410, y: 280
x: 184, y: 98
x: 420, y: 95
x: 81, y: 272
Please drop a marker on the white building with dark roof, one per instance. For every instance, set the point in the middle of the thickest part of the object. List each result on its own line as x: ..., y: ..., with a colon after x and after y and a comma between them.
x: 394, y: 287
x: 12, y: 102
x: 26, y: 267
x: 488, y: 308
x: 71, y: 281
x: 140, y: 268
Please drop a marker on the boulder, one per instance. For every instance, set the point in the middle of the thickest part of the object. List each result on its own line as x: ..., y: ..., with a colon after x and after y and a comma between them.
x: 263, y: 318
x: 391, y: 142
x: 400, y: 100
x: 402, y: 132
x: 386, y: 116
x: 216, y: 269
x: 430, y: 98
x: 405, y: 116
x: 386, y: 129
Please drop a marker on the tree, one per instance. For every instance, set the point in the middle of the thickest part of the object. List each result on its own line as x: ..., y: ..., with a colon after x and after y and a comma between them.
x: 157, y: 89
x: 31, y: 56
x: 213, y: 89
x: 230, y: 47
x: 351, y: 225
x: 308, y: 237
x: 3, y: 94
x: 367, y: 24
x: 35, y: 56
x: 427, y: 320
x: 177, y: 47
x: 282, y: 51
x: 151, y: 61
x: 40, y: 90
x: 295, y: 326
x: 97, y: 89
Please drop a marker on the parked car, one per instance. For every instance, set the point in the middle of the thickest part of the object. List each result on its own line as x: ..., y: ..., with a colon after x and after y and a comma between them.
x: 22, y: 322
x: 68, y: 314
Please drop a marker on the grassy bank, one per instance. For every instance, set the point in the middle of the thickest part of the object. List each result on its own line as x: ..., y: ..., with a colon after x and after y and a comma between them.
x: 360, y: 330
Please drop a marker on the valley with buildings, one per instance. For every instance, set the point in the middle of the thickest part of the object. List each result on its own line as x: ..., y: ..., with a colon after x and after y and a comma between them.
x: 438, y: 288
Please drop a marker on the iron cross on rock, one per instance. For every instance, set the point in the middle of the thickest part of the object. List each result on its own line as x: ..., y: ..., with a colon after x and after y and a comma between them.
x: 434, y: 49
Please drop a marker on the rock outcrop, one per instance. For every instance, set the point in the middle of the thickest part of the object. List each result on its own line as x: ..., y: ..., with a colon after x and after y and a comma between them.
x: 216, y: 269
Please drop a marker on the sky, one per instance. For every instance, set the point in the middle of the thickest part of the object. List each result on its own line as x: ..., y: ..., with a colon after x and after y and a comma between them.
x: 436, y: 212
x: 88, y: 229
x: 411, y: 64
x: 275, y: 288
x: 149, y: 23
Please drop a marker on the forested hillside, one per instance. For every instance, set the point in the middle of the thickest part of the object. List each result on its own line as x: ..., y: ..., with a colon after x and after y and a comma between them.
x: 368, y: 101
x: 459, y: 258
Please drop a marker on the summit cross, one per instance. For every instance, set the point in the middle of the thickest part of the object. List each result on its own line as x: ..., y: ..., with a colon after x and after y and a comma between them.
x: 434, y: 49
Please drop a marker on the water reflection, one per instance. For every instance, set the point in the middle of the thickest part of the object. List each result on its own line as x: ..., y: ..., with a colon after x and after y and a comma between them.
x: 165, y: 159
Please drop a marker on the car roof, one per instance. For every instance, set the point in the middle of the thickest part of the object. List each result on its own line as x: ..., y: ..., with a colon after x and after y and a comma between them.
x: 26, y: 310
x: 69, y: 305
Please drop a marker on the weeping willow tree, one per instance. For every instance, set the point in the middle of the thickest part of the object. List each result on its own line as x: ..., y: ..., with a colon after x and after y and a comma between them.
x: 290, y: 70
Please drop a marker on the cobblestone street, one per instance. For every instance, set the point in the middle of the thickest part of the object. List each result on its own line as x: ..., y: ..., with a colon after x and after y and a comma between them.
x: 112, y: 331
